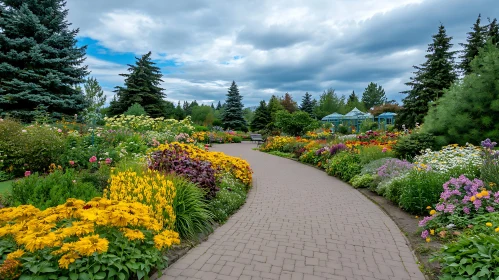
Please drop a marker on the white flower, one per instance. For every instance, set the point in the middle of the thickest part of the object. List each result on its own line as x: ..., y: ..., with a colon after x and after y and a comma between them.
x: 449, y: 226
x: 24, y: 130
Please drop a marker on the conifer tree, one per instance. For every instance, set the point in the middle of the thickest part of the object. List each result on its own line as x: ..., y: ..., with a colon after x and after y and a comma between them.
x: 353, y: 102
x: 219, y: 105
x: 373, y: 95
x: 307, y: 105
x: 142, y: 87
x: 261, y: 118
x: 430, y: 80
x: 179, y: 112
x: 40, y: 64
x: 475, y: 41
x: 493, y: 32
x: 233, y: 112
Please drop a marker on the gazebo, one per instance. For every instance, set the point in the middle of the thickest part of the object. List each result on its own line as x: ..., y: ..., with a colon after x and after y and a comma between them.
x: 387, y: 118
x: 351, y: 119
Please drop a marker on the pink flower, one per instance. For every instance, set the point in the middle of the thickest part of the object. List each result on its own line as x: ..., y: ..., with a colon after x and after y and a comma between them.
x: 27, y: 173
x: 108, y: 161
x: 93, y: 159
x: 59, y: 130
x: 71, y: 162
x: 384, y: 150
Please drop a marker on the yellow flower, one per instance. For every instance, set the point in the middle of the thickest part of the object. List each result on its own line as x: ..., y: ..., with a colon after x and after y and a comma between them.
x: 488, y: 224
x: 428, y: 207
x: 88, y: 245
x: 473, y: 198
x: 484, y: 193
x: 417, y: 217
x: 68, y: 259
x: 432, y: 231
x: 15, y: 255
x: 166, y: 239
x: 479, y: 195
x: 133, y: 234
x: 428, y: 239
x: 433, y: 212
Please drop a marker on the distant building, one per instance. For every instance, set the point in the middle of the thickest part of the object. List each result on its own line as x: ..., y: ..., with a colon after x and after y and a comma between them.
x: 355, y: 118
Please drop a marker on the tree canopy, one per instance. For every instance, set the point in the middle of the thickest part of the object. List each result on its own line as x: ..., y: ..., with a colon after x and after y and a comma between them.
x: 233, y: 113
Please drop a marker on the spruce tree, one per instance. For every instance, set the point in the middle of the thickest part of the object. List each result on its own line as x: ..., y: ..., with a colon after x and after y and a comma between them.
x: 142, y: 87
x: 261, y: 118
x: 475, y: 41
x: 493, y: 32
x: 307, y: 105
x: 469, y: 110
x: 288, y: 103
x: 430, y: 80
x: 219, y: 105
x: 179, y: 112
x: 40, y: 64
x: 373, y: 95
x: 353, y: 102
x: 233, y: 112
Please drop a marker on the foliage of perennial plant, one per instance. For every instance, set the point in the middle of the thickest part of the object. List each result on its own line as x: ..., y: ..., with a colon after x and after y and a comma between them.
x: 146, y: 123
x: 150, y: 188
x: 108, y: 239
x: 450, y: 157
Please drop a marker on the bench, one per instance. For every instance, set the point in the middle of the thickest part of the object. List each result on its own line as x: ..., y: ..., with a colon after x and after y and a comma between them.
x: 257, y: 138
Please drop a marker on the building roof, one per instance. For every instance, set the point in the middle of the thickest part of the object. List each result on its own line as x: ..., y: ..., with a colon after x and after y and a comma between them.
x: 387, y: 115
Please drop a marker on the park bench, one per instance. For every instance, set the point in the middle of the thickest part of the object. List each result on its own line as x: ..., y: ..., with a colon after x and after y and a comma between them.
x: 257, y: 138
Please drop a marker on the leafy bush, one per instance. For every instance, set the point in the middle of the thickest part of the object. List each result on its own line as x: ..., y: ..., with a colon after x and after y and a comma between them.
x: 191, y: 209
x: 100, y: 239
x: 178, y: 161
x: 372, y: 153
x: 135, y: 110
x: 489, y: 171
x: 99, y: 178
x: 31, y: 148
x: 411, y: 145
x: 296, y: 123
x: 342, y: 129
x: 198, y: 128
x: 229, y: 199
x: 471, y: 257
x: 344, y: 165
x: 368, y: 125
x: 50, y: 190
x: 392, y: 168
x: 373, y: 166
x: 362, y: 181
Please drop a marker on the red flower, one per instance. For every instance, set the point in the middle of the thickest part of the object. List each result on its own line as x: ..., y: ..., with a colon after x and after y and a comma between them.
x: 93, y: 159
x: 27, y: 173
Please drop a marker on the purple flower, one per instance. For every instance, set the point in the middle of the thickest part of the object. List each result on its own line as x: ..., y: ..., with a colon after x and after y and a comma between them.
x: 466, y: 210
x: 425, y: 234
x: 449, y: 208
x: 487, y: 144
x: 490, y: 209
x: 425, y: 220
x: 440, y: 207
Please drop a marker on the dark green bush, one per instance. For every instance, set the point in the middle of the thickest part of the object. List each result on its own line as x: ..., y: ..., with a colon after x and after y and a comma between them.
x: 344, y: 165
x: 342, y: 129
x: 229, y: 199
x: 51, y: 190
x: 199, y: 128
x: 191, y: 209
x: 135, y: 110
x: 409, y: 146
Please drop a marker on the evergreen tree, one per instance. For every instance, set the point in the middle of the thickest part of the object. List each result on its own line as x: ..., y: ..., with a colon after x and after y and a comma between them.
x: 142, y: 87
x: 219, y: 105
x: 430, y: 80
x: 261, y: 118
x: 94, y: 95
x: 233, y: 113
x: 288, y: 103
x: 212, y: 106
x: 179, y: 112
x: 353, y: 102
x: 185, y: 106
x: 493, y: 32
x: 40, y: 64
x: 373, y: 95
x: 474, y: 42
x: 329, y: 103
x: 306, y: 104
x: 469, y: 110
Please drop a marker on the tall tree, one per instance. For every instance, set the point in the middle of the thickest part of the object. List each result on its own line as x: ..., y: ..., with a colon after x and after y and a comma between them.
x: 179, y: 112
x: 306, y: 104
x: 373, y: 95
x: 94, y: 96
x: 288, y: 103
x: 493, y: 32
x: 212, y: 106
x: 142, y: 87
x: 430, y: 80
x: 219, y: 105
x: 354, y: 102
x: 329, y: 102
x: 40, y: 64
x: 474, y: 42
x: 233, y: 114
x: 261, y: 118
x: 469, y: 110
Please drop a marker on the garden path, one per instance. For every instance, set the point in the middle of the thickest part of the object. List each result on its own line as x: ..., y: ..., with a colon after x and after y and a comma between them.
x: 299, y: 223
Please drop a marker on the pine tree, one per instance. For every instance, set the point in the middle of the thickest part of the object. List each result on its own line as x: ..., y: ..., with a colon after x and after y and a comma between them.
x: 261, y: 118
x: 373, y: 95
x: 307, y: 105
x: 430, y: 80
x: 475, y: 41
x: 493, y: 32
x: 469, y: 110
x: 233, y: 113
x: 40, y: 64
x: 179, y: 112
x: 212, y: 106
x: 288, y: 103
x: 353, y: 102
x: 142, y: 87
x: 219, y: 105
x: 94, y: 95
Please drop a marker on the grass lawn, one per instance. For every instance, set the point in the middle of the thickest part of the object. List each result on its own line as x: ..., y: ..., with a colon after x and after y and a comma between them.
x: 5, y: 186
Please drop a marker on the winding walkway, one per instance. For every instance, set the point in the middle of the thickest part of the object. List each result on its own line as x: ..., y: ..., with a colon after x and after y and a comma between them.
x: 299, y: 223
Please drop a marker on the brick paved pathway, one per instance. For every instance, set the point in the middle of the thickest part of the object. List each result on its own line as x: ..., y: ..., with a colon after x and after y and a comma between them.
x: 299, y: 223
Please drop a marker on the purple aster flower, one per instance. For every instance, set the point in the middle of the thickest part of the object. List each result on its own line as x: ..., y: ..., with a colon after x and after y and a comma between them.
x: 466, y: 210
x: 490, y: 209
x: 425, y: 234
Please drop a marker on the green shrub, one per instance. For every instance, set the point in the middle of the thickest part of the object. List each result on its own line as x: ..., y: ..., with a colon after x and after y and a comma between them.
x: 199, y: 128
x: 371, y: 153
x: 135, y: 110
x: 99, y: 178
x: 471, y: 257
x: 229, y: 199
x: 191, y: 209
x: 342, y: 129
x: 344, y: 165
x: 31, y: 148
x: 392, y: 189
x: 411, y: 145
x: 363, y: 181
x: 368, y: 125
x: 372, y: 167
x: 281, y: 154
x: 51, y: 190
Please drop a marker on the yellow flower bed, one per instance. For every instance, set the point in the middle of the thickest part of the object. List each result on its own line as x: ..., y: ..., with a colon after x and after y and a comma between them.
x: 151, y: 188
x: 220, y: 161
x: 56, y: 228
x: 277, y: 142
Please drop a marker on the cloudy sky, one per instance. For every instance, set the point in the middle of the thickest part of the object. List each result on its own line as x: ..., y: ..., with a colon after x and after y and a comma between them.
x: 268, y: 46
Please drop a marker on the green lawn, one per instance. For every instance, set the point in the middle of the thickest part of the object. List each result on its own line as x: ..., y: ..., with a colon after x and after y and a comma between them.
x: 5, y: 186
